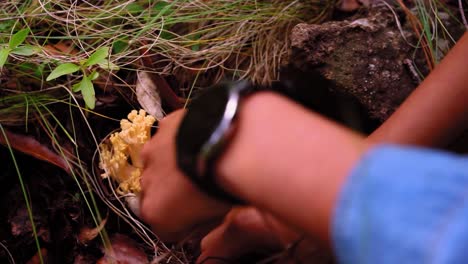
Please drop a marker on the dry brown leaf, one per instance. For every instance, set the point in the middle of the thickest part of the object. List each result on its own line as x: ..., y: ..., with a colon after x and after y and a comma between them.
x: 168, y: 96
x: 32, y: 147
x: 148, y: 95
x: 36, y: 259
x: 87, y: 234
x: 124, y: 251
x: 61, y: 48
x: 353, y: 5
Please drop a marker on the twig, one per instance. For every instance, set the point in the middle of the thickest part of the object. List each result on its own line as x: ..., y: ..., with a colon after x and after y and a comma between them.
x: 413, y: 71
x: 10, y: 257
x: 462, y: 13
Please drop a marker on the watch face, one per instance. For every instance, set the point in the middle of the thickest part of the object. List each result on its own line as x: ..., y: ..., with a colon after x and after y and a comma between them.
x: 204, y: 114
x: 204, y: 133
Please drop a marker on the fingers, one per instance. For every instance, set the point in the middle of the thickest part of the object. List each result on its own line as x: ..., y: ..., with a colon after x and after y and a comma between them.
x: 249, y: 230
x: 167, y: 128
x: 170, y: 205
x: 243, y: 231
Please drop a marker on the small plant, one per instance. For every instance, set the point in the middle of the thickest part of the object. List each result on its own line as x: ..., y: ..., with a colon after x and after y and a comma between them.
x: 15, y: 47
x: 435, y: 34
x: 85, y: 86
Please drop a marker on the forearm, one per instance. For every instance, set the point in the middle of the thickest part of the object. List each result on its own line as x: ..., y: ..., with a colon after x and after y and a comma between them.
x: 289, y: 161
x: 436, y: 111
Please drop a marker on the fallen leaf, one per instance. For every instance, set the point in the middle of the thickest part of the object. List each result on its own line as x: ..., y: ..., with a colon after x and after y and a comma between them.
x: 87, y: 234
x: 148, y: 95
x: 123, y: 251
x: 36, y: 259
x: 165, y: 91
x: 353, y: 5
x: 63, y: 47
x: 32, y: 147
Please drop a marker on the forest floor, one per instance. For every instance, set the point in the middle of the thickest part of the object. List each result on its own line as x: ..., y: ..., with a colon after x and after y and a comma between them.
x: 353, y: 61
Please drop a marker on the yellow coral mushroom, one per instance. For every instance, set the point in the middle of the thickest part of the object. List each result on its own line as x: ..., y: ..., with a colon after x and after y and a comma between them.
x: 120, y: 156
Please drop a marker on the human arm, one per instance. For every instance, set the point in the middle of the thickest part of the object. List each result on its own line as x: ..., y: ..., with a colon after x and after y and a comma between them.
x: 280, y: 157
x: 285, y: 155
x: 402, y: 205
x: 432, y: 116
x: 435, y: 113
x: 412, y: 120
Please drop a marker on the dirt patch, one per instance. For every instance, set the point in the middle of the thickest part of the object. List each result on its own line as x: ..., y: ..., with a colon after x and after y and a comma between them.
x: 369, y: 58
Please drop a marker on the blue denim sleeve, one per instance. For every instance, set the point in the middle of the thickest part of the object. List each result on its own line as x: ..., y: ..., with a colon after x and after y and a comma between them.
x: 404, y: 205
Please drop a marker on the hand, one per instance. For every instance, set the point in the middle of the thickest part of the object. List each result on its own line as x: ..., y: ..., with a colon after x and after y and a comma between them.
x: 247, y: 230
x: 170, y: 203
x: 244, y: 230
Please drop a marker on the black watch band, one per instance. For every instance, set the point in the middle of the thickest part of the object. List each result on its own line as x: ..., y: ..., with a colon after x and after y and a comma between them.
x: 205, y: 132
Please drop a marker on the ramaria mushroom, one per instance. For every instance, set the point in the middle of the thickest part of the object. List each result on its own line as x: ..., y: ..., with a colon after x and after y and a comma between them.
x: 120, y: 156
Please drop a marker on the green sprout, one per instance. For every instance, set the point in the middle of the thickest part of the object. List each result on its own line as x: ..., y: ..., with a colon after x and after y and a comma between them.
x: 15, y: 47
x: 85, y: 86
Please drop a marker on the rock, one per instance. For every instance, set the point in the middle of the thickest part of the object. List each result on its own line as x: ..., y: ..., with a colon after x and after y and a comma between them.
x: 369, y: 58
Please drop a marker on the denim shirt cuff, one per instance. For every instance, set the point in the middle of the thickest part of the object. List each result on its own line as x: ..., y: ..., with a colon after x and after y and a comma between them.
x: 403, y: 205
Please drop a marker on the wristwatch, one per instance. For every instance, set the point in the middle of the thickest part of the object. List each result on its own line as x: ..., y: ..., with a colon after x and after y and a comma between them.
x: 205, y: 132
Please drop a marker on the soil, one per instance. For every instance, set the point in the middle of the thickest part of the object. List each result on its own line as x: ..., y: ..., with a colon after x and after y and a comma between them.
x: 369, y: 57
x: 56, y: 206
x: 366, y: 58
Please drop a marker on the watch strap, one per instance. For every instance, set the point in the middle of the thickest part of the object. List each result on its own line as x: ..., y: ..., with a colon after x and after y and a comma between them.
x: 199, y: 162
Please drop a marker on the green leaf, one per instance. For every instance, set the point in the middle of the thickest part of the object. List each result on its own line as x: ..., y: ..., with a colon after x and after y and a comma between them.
x: 94, y: 75
x: 97, y: 57
x: 18, y: 38
x: 63, y: 69
x: 4, y: 52
x: 6, y: 25
x: 196, y: 38
x: 196, y: 47
x: 87, y: 90
x: 27, y: 67
x: 163, y: 8
x: 26, y: 50
x: 119, y: 46
x: 76, y: 87
x: 39, y: 71
x: 135, y: 8
x: 167, y: 35
x: 107, y: 65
